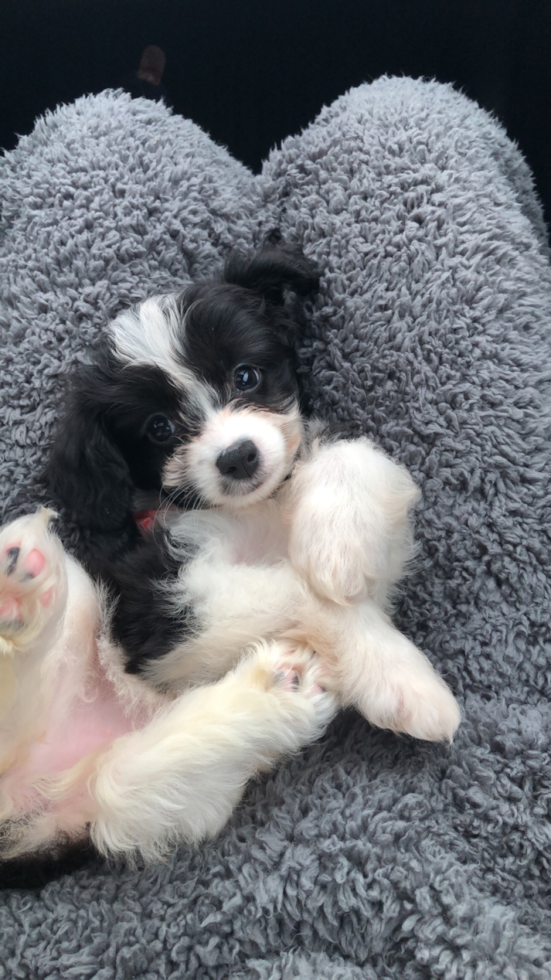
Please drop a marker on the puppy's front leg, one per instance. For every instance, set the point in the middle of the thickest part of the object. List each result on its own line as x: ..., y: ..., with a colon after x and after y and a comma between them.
x: 184, y: 610
x: 180, y: 778
x: 348, y: 506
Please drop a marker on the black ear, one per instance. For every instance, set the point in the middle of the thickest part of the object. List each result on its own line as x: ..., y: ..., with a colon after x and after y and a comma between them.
x: 87, y: 473
x: 274, y: 268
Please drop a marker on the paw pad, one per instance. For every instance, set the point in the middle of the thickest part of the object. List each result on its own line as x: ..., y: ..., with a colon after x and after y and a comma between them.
x: 299, y: 677
x: 32, y: 565
x: 288, y: 679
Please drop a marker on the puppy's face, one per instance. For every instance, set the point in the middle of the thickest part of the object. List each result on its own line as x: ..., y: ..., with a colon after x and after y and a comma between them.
x: 194, y: 394
x: 206, y: 407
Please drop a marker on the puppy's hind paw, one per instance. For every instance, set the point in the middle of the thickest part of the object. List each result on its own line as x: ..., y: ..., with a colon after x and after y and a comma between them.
x: 291, y: 674
x: 31, y: 580
x: 418, y: 704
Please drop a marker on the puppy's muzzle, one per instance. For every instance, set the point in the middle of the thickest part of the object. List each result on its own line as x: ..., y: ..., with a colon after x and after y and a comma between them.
x: 240, y: 461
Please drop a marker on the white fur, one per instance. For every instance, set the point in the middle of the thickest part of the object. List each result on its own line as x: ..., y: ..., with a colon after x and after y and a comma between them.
x: 276, y: 437
x: 348, y: 509
x: 180, y: 772
x: 309, y: 570
x: 180, y: 778
x: 152, y: 334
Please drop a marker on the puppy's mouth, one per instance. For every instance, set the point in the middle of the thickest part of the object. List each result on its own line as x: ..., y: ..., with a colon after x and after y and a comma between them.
x: 241, y: 488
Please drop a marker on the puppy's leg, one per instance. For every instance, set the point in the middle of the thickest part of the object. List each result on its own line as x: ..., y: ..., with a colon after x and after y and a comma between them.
x: 185, y: 611
x: 33, y: 584
x: 348, y: 506
x: 180, y: 777
x: 33, y: 595
x: 378, y: 670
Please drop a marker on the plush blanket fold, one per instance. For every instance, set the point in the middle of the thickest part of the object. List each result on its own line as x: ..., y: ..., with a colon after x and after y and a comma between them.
x: 368, y: 856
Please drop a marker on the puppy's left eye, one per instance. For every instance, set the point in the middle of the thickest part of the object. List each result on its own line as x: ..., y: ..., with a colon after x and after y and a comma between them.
x: 159, y: 428
x: 246, y: 377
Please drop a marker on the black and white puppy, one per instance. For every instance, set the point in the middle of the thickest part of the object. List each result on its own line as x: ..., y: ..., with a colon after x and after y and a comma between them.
x: 135, y: 704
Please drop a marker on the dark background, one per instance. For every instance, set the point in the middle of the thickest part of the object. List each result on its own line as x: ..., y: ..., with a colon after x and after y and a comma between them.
x: 253, y: 71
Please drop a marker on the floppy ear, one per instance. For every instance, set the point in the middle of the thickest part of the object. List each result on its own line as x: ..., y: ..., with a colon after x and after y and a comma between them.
x: 87, y: 473
x: 273, y: 268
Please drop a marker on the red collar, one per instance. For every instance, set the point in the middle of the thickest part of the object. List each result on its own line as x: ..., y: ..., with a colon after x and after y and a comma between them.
x: 144, y: 519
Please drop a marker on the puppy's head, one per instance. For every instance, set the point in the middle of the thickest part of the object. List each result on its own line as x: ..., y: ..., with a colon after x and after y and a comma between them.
x: 194, y: 395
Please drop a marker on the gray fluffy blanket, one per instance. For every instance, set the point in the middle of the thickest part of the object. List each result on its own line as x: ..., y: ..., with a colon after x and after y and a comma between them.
x: 368, y: 856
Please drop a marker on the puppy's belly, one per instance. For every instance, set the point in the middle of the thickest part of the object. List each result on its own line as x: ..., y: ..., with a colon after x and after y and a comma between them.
x: 237, y: 589
x: 76, y: 726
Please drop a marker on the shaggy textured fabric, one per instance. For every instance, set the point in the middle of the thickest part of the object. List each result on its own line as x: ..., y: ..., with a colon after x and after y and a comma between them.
x: 368, y: 856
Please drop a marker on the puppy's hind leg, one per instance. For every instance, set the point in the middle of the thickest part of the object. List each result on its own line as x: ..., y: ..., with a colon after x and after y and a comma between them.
x: 33, y: 584
x: 33, y: 596
x: 180, y: 778
x: 379, y: 671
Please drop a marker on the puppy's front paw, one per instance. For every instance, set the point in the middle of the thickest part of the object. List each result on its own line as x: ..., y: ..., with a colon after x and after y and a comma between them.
x: 31, y: 579
x: 339, y: 550
x: 349, y: 521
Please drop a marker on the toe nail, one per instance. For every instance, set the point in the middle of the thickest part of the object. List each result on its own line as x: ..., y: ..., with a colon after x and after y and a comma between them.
x: 9, y: 559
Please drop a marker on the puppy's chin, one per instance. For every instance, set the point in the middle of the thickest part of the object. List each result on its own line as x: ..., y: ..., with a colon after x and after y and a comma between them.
x: 237, y: 494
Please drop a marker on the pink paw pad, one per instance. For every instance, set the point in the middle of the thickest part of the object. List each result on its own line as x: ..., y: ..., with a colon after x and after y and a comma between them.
x: 18, y: 572
x: 34, y: 563
x: 31, y: 567
x: 289, y: 679
x: 47, y: 597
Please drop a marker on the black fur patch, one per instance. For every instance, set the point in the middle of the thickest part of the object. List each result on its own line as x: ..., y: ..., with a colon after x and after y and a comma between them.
x: 227, y: 326
x: 104, y: 448
x: 144, y: 622
x: 101, y: 452
x: 33, y: 871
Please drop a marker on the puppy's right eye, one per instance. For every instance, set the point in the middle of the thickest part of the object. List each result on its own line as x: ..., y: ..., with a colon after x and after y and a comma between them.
x: 159, y: 428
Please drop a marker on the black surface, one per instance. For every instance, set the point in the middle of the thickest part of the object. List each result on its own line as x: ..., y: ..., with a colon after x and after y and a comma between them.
x: 254, y: 71
x: 36, y: 870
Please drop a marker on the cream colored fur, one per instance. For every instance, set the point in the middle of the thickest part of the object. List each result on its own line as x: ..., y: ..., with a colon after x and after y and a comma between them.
x: 308, y: 570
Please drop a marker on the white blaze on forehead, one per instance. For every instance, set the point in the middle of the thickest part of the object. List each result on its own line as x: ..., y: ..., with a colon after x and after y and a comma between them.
x: 153, y: 334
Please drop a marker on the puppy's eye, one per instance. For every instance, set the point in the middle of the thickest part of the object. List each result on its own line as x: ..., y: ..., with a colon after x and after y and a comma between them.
x: 159, y: 428
x: 246, y: 377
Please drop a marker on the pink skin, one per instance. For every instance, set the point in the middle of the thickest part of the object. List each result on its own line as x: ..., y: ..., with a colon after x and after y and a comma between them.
x: 291, y: 681
x: 73, y: 730
x: 75, y: 726
x: 34, y: 565
x: 78, y: 725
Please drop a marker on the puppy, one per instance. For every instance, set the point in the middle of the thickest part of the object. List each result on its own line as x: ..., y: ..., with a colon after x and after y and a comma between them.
x: 136, y: 703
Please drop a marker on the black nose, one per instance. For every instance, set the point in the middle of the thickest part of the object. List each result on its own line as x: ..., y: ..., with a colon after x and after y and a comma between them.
x: 240, y: 461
